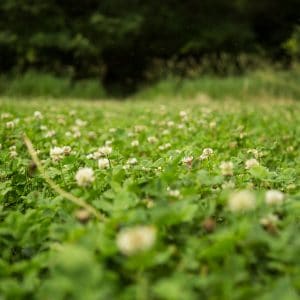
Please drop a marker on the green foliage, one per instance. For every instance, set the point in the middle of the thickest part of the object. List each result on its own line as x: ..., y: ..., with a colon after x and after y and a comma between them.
x: 292, y: 45
x: 202, y: 248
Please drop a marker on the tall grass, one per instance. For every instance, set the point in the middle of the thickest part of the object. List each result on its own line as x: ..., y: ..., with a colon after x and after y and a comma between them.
x: 275, y: 84
x: 34, y: 84
x: 279, y: 84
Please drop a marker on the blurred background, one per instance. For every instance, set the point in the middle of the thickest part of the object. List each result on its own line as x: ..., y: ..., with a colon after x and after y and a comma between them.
x: 99, y: 48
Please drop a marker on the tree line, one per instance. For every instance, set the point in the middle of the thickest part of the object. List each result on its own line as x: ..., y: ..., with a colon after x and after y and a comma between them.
x: 117, y: 40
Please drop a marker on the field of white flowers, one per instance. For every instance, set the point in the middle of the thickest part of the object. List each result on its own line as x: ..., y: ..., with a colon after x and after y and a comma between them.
x: 193, y: 199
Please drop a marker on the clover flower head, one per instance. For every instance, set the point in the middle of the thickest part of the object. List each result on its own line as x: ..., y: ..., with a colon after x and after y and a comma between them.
x: 50, y: 133
x: 206, y: 153
x: 152, y: 139
x: 105, y: 150
x: 56, y: 153
x: 85, y: 177
x: 250, y: 163
x: 10, y: 125
x: 173, y: 193
x: 38, y: 115
x: 270, y: 219
x: 187, y: 160
x: 226, y: 168
x: 103, y: 163
x: 135, y: 143
x: 132, y: 161
x: 137, y: 239
x: 274, y: 197
x: 67, y: 150
x: 241, y: 201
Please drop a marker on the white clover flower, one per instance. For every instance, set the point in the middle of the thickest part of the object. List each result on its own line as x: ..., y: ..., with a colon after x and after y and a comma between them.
x: 10, y: 125
x: 165, y: 132
x: 92, y: 135
x: 241, y: 201
x: 6, y: 115
x: 165, y: 146
x: 255, y: 152
x: 38, y: 115
x: 85, y: 177
x: 80, y: 123
x: 95, y: 155
x: 135, y: 143
x: 170, y: 123
x: 76, y: 134
x: 149, y: 203
x: 183, y: 114
x: 61, y: 120
x: 180, y: 126
x: 137, y: 239
x: 75, y: 128
x: 187, y: 160
x: 206, y: 153
x: 226, y: 168
x: 228, y: 185
x: 67, y: 150
x: 268, y: 220
x: 203, y: 157
x: 68, y: 133
x: 103, y: 163
x: 56, y: 153
x: 126, y: 167
x: 243, y: 134
x: 274, y: 197
x: 139, y: 128
x: 108, y: 142
x: 132, y: 161
x: 250, y: 163
x: 212, y: 124
x: 152, y: 139
x: 13, y: 154
x: 43, y: 127
x: 173, y: 193
x: 13, y: 151
x: 90, y: 156
x: 50, y: 133
x: 112, y: 130
x: 105, y: 150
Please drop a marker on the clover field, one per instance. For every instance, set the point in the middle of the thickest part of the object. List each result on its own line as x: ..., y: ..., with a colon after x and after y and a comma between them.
x: 193, y: 199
